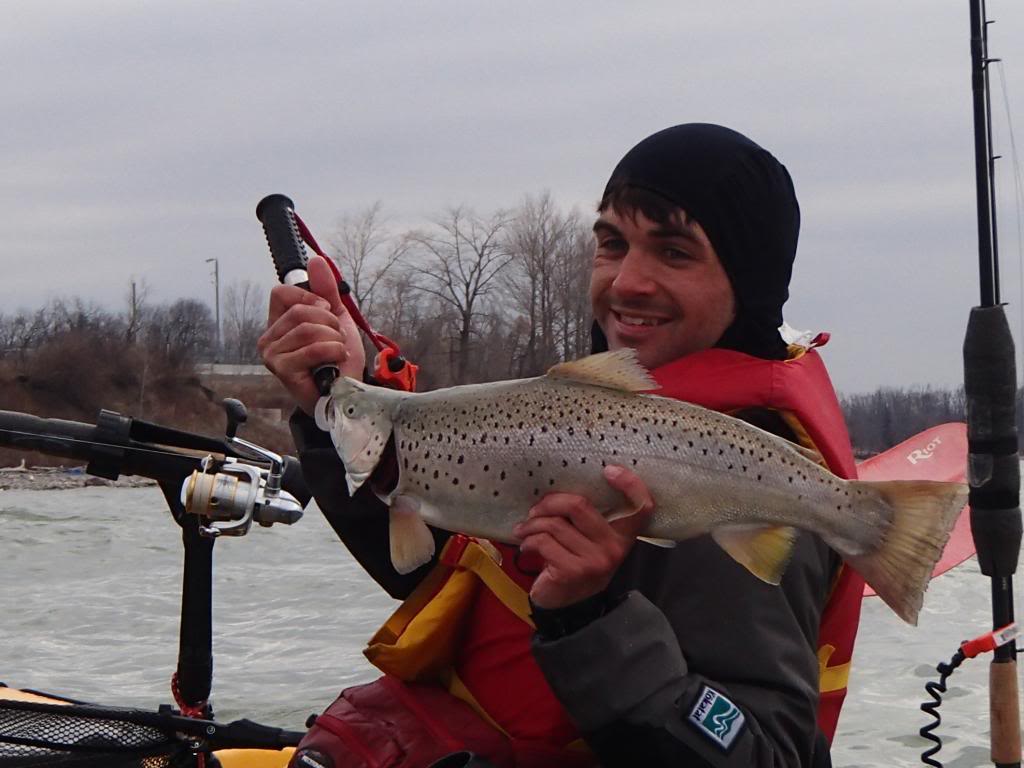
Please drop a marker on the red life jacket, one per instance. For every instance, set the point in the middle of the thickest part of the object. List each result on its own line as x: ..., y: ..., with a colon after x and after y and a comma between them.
x: 467, y: 626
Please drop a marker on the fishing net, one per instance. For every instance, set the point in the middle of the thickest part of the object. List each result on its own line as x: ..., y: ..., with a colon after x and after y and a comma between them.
x: 75, y: 736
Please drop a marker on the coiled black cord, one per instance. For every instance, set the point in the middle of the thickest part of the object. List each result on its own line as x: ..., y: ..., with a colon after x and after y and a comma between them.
x: 935, y: 690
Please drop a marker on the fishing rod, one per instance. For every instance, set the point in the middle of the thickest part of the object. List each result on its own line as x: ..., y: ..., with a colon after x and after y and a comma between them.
x: 990, y: 387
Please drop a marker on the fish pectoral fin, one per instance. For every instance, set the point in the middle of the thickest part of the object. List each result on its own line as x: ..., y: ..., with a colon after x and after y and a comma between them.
x: 614, y: 370
x: 412, y: 544
x: 665, y: 543
x: 764, y: 551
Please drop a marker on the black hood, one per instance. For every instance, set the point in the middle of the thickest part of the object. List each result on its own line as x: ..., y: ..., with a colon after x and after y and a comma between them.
x: 744, y: 199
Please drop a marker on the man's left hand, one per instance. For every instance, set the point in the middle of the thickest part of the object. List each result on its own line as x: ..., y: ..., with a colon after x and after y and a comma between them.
x: 581, y: 550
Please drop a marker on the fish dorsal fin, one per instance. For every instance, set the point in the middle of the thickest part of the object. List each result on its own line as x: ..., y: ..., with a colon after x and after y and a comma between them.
x: 614, y: 370
x: 764, y: 551
x: 808, y: 453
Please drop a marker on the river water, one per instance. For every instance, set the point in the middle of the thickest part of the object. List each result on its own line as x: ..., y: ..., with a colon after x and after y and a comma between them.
x: 89, y: 608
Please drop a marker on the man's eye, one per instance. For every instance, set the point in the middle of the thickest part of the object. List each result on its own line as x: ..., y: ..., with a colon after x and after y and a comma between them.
x: 677, y: 255
x: 611, y: 244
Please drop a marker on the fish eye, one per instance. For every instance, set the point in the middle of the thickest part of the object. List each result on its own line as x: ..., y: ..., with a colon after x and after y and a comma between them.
x: 350, y: 410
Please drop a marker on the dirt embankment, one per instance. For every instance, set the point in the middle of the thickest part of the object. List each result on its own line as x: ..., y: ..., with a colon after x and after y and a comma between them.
x: 74, y: 378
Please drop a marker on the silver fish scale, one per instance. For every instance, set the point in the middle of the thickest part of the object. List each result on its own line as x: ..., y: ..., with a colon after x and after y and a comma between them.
x: 477, y: 458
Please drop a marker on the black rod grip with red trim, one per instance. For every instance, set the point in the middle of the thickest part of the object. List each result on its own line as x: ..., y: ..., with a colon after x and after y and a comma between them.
x: 277, y: 215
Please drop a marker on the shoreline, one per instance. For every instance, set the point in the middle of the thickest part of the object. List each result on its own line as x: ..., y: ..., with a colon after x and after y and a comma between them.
x: 61, y: 479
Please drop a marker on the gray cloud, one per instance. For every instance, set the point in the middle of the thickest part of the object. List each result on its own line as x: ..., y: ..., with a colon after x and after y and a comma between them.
x: 137, y: 138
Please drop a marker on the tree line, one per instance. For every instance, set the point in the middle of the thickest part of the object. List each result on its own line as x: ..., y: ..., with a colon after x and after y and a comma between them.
x: 470, y: 297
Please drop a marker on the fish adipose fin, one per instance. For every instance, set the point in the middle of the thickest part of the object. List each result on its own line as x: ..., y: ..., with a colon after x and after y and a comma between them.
x: 613, y: 370
x: 764, y: 552
x: 923, y: 512
x: 412, y: 544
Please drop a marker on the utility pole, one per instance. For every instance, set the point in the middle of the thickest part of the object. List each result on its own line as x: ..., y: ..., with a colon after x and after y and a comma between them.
x: 216, y: 304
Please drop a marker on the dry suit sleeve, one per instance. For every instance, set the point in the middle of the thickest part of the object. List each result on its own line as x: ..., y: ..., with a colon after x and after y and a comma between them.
x: 360, y: 520
x: 722, y: 674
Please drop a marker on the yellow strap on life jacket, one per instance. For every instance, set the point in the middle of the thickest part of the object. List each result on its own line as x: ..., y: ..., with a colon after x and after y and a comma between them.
x: 418, y: 641
x: 831, y: 678
x: 478, y: 560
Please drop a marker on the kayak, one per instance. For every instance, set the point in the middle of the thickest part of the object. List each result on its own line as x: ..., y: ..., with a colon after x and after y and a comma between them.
x: 939, y: 453
x: 45, y: 727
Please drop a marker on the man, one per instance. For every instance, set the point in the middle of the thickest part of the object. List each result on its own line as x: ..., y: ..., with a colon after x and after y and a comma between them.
x: 654, y: 657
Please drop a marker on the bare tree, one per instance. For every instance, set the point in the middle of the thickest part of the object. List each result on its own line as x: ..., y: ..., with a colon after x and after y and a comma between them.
x: 535, y: 239
x: 462, y: 257
x: 182, y: 332
x: 244, y: 319
x: 366, y: 251
x: 573, y: 266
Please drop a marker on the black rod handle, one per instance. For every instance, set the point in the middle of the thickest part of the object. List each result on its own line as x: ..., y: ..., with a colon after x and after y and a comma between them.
x: 277, y: 215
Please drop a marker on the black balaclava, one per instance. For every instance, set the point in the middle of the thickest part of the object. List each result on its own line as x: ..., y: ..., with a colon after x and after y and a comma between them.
x: 743, y: 198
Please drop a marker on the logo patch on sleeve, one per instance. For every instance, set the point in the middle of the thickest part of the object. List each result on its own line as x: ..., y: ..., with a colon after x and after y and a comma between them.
x: 717, y: 718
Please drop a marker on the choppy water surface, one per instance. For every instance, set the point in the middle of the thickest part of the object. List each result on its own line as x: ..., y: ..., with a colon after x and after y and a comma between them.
x: 90, y: 599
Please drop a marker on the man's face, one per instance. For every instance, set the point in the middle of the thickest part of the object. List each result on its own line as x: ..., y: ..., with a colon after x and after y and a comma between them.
x: 659, y: 289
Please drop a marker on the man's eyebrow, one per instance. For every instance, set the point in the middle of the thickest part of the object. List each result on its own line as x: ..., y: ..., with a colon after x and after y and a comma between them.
x: 667, y: 231
x: 604, y: 226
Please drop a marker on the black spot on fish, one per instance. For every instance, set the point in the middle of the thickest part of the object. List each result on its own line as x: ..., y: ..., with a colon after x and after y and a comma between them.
x: 551, y: 481
x: 634, y: 462
x: 405, y: 463
x: 415, y: 467
x: 529, y: 472
x: 583, y: 459
x: 543, y: 429
x: 472, y: 487
x: 487, y: 467
x: 495, y: 494
x: 455, y: 481
x: 436, y: 473
x: 502, y: 476
x: 426, y: 487
x: 506, y: 440
x: 565, y: 463
x: 705, y: 451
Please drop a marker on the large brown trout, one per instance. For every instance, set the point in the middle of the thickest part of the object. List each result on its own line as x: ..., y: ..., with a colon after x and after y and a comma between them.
x: 475, y: 458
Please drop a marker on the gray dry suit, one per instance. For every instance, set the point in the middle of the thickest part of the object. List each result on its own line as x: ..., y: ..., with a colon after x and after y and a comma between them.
x: 681, y: 633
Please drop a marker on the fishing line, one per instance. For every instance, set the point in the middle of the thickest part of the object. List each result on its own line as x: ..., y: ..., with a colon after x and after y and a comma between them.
x: 1018, y: 194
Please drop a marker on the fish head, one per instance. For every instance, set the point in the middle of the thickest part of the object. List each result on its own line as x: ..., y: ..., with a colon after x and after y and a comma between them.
x: 359, y: 419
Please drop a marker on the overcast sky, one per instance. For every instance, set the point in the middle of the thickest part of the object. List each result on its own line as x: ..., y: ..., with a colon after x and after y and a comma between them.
x: 137, y: 137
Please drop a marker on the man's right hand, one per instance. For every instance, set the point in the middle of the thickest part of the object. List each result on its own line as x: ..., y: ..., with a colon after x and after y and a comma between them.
x: 307, y: 329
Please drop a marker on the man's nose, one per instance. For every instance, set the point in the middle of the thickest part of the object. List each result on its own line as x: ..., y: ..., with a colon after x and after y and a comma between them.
x: 636, y: 274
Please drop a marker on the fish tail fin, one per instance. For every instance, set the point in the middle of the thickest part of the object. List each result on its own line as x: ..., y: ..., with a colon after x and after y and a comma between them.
x: 922, y: 514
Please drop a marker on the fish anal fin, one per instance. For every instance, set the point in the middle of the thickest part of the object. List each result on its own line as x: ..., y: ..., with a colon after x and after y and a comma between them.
x: 618, y: 369
x: 412, y: 544
x: 664, y: 543
x: 764, y: 551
